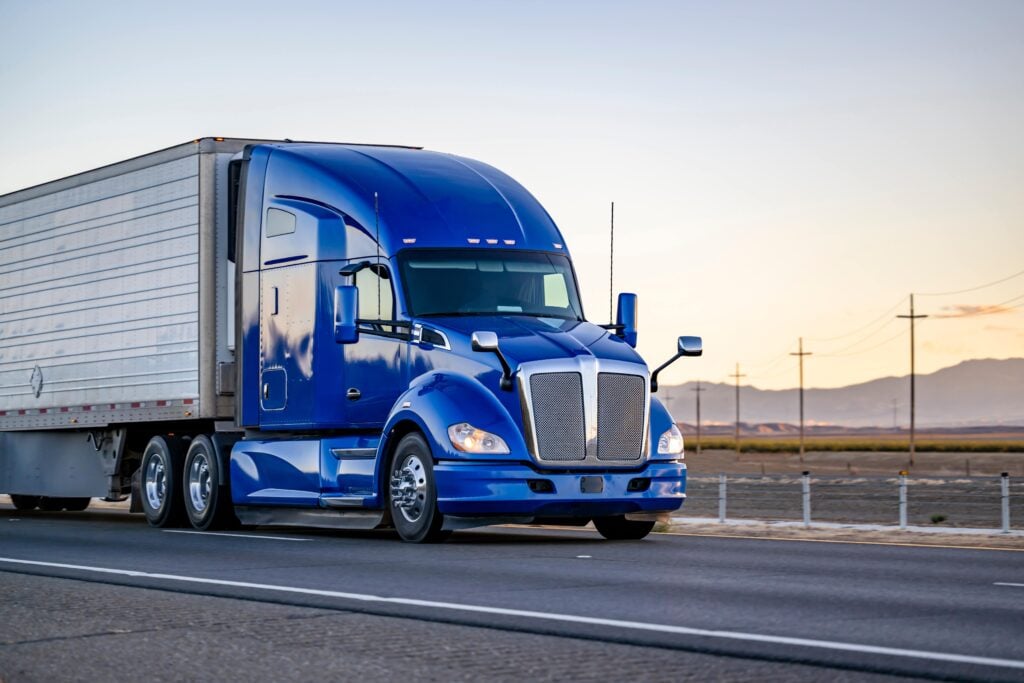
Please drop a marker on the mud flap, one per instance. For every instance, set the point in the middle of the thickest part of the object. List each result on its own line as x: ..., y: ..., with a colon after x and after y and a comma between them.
x: 136, y: 504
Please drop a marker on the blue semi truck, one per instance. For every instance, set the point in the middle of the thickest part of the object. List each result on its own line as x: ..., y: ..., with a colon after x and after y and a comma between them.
x: 354, y: 336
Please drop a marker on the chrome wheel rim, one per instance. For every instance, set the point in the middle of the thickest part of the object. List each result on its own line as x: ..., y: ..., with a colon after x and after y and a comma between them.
x: 199, y: 482
x: 156, y: 482
x: 409, y: 488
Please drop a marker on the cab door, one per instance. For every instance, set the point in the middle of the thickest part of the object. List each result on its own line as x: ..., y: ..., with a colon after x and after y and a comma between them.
x: 375, y: 368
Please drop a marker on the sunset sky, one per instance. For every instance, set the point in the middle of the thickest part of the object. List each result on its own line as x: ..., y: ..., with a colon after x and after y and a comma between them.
x: 779, y: 169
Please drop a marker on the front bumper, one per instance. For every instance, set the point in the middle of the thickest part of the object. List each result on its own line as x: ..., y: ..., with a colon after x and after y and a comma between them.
x: 467, y: 489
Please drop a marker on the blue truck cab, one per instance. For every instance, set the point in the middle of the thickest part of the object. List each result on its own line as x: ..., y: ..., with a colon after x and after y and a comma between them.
x: 412, y: 351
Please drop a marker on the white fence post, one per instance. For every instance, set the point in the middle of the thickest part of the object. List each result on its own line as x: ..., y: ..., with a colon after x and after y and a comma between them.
x: 807, y: 499
x: 721, y: 498
x: 903, y: 499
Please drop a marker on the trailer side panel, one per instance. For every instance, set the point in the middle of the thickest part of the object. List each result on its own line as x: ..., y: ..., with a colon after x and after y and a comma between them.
x: 99, y: 298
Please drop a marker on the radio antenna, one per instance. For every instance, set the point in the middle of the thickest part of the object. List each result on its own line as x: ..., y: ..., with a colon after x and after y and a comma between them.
x: 611, y: 269
x: 376, y: 221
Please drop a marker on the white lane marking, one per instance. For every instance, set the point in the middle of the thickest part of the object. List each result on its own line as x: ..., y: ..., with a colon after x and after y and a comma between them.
x: 220, y: 533
x: 584, y: 557
x: 548, y: 616
x: 1005, y: 583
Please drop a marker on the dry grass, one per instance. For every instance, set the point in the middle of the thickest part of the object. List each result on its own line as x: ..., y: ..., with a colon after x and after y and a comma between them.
x: 883, y: 443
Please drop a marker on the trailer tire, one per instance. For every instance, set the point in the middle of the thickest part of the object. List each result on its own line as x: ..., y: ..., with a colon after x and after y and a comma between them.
x: 57, y: 504
x: 76, y: 504
x: 24, y: 503
x: 412, y: 492
x: 206, y: 488
x: 160, y: 484
x: 622, y: 529
x: 47, y: 504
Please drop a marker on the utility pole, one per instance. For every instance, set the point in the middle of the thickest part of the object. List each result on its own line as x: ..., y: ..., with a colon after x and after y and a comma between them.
x: 801, y: 353
x: 912, y: 318
x: 737, y: 375
x: 697, y: 391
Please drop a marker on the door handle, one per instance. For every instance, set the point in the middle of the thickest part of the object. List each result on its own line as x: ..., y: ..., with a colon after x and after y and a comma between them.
x: 353, y: 394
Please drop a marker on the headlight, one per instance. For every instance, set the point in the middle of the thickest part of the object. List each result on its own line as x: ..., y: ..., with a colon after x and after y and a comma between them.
x: 671, y: 442
x: 467, y: 438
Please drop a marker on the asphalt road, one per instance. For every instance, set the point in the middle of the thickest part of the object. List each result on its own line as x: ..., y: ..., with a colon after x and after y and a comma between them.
x: 100, y: 595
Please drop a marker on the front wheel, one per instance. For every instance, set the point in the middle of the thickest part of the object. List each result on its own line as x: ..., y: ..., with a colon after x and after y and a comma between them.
x: 412, y: 493
x: 622, y: 529
x: 207, y: 495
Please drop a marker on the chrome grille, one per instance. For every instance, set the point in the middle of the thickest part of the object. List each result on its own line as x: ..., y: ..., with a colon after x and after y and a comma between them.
x: 620, y: 416
x: 558, y: 415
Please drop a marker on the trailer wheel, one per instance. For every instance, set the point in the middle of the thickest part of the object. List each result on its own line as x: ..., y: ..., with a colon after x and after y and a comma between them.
x: 412, y: 493
x: 76, y: 504
x: 162, y: 465
x: 207, y: 490
x: 622, y: 529
x: 47, y: 504
x: 24, y: 502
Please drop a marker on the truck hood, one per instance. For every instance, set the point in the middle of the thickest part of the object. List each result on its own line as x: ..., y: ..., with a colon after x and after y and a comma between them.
x: 524, y: 339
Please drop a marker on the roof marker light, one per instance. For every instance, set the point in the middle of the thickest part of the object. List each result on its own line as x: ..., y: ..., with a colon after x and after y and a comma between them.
x: 510, y: 242
x: 490, y: 241
x: 473, y: 240
x: 408, y: 240
x: 556, y: 245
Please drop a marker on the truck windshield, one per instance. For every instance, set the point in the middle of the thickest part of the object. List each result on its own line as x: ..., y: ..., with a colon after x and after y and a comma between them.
x: 478, y: 282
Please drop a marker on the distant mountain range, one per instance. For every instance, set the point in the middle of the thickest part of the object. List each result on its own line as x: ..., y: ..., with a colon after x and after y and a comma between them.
x: 984, y: 392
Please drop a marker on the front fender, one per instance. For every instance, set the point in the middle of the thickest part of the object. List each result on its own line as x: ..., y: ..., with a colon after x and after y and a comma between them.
x: 439, y: 399
x: 661, y: 421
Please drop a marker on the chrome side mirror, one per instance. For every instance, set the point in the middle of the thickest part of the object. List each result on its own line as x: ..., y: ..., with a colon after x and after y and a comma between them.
x: 685, y: 346
x: 485, y: 341
x: 626, y: 318
x: 691, y: 346
x: 488, y: 342
x: 346, y: 312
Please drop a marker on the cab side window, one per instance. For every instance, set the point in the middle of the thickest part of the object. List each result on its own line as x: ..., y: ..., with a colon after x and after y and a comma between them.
x: 279, y: 222
x: 376, y: 297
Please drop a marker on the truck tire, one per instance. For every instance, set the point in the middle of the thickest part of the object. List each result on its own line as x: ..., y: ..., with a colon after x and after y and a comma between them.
x: 76, y: 504
x: 24, y: 502
x: 621, y: 529
x: 412, y: 493
x: 57, y: 504
x: 160, y: 484
x: 206, y: 488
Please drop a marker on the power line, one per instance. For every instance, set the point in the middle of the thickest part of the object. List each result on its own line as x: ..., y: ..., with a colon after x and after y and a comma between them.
x: 781, y: 371
x: 737, y: 375
x: 773, y: 361
x: 870, y: 348
x: 698, y: 391
x: 912, y: 317
x: 800, y: 354
x: 974, y: 289
x: 862, y: 328
x: 862, y: 339
x: 983, y: 310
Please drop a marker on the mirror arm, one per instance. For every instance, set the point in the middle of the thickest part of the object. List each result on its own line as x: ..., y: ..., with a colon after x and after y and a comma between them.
x: 654, y: 375
x: 492, y: 346
x: 351, y: 269
x: 506, y: 371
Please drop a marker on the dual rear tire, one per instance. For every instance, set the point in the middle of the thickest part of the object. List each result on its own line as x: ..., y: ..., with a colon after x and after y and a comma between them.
x: 184, y: 483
